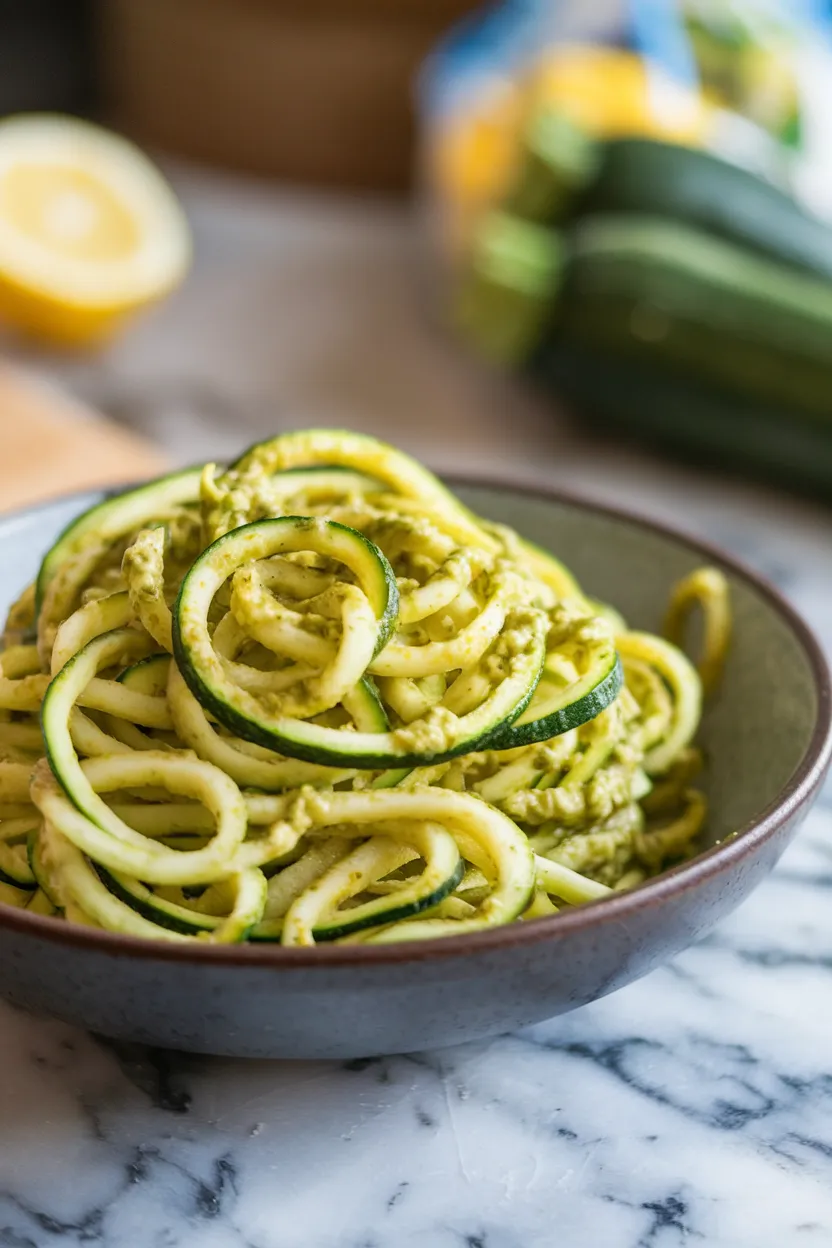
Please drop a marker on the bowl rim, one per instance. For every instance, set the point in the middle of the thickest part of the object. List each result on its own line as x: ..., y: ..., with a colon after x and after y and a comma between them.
x: 798, y: 790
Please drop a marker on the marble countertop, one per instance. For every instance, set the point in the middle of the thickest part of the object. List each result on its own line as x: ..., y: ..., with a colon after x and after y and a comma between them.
x: 694, y: 1107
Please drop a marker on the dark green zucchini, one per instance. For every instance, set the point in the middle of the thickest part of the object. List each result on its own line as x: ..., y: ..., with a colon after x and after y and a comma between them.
x: 155, y: 909
x: 15, y: 869
x: 542, y: 720
x: 565, y: 176
x: 667, y: 295
x: 672, y: 411
x: 388, y: 910
x: 646, y: 177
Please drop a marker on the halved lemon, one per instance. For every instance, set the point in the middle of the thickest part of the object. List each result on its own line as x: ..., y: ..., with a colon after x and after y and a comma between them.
x: 90, y: 232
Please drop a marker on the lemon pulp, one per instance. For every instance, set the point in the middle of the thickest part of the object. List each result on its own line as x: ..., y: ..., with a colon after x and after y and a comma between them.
x: 89, y: 230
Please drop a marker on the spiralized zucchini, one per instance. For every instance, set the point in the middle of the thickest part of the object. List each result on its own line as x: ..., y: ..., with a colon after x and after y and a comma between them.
x: 313, y: 698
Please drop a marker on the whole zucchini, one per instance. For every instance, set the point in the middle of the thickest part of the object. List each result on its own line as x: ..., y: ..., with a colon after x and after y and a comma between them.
x: 665, y: 294
x: 566, y: 177
x: 700, y: 189
x: 671, y: 410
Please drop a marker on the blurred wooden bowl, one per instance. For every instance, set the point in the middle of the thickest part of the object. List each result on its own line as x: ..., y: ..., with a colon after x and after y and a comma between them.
x: 312, y: 91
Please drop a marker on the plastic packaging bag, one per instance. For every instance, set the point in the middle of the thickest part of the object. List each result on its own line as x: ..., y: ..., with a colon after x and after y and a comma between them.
x: 751, y: 79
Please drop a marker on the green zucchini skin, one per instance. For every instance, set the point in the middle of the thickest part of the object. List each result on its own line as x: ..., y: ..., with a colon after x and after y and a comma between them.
x: 294, y: 737
x: 135, y: 507
x: 150, y: 664
x: 341, y: 925
x: 642, y: 176
x: 384, y: 581
x: 665, y: 294
x: 369, y: 715
x: 118, y: 513
x: 22, y: 878
x: 343, y: 753
x: 509, y: 736
x: 567, y: 176
x: 672, y: 411
x: 154, y: 909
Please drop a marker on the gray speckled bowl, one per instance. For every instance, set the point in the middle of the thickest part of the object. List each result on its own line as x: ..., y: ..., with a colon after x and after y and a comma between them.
x: 768, y: 739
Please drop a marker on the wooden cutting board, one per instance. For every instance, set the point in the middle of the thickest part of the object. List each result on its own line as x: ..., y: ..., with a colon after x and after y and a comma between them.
x: 50, y: 444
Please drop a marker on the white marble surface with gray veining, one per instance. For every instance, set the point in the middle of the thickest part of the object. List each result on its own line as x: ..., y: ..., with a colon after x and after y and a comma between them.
x: 692, y: 1108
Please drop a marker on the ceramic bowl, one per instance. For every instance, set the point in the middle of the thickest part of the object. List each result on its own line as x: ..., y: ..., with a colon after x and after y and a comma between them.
x: 767, y: 738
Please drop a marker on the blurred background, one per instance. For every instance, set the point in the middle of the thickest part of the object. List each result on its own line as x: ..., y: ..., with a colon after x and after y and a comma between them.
x: 580, y: 242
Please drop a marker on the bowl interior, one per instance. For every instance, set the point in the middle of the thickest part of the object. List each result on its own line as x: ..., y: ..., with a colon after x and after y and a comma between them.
x: 759, y: 725
x: 755, y: 731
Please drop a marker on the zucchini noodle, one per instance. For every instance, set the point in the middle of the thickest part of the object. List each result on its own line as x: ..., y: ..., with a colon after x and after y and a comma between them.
x: 312, y: 697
